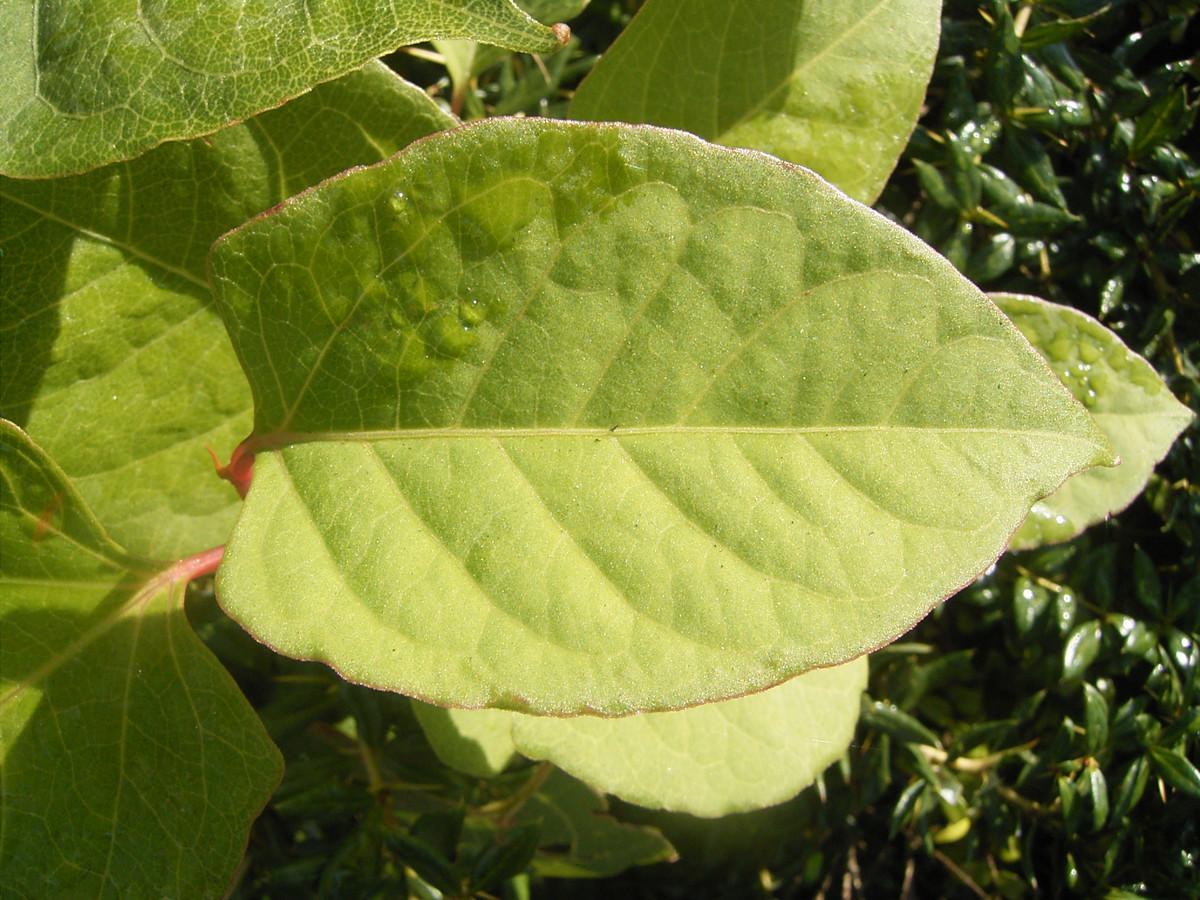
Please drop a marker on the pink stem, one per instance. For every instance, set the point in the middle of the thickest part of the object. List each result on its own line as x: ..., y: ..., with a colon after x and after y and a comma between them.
x: 194, y: 566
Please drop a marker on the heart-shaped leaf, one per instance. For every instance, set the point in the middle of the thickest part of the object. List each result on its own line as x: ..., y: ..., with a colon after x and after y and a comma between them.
x: 834, y: 85
x: 1126, y: 397
x: 559, y: 417
x: 87, y: 84
x: 131, y: 758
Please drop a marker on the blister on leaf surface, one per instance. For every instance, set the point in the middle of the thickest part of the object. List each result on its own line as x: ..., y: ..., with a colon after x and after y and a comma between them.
x: 559, y: 417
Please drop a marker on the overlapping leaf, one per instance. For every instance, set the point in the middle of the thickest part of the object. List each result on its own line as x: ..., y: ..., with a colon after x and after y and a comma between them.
x: 557, y: 417
x: 476, y: 741
x: 114, y: 359
x: 132, y: 763
x: 91, y: 83
x: 828, y: 84
x: 708, y: 760
x: 1124, y: 394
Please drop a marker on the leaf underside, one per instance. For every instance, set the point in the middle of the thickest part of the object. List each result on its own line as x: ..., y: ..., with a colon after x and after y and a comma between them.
x: 91, y: 83
x: 708, y: 760
x: 608, y: 418
x: 132, y: 765
x: 1124, y: 394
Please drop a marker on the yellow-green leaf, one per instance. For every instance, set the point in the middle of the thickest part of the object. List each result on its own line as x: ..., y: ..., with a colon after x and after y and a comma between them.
x: 561, y: 417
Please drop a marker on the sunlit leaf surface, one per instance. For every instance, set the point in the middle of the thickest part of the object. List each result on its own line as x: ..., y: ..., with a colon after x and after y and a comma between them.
x: 558, y: 417
x: 834, y: 85
x: 86, y: 84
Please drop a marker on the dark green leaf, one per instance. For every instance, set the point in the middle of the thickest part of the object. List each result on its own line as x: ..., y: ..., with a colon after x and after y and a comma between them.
x: 511, y: 852
x: 580, y: 839
x: 1058, y: 29
x: 935, y: 185
x: 425, y: 860
x: 1169, y: 117
x: 894, y: 721
x: 1095, y: 719
x: 1082, y: 647
x: 1133, y: 784
x: 1176, y: 770
x: 1097, y: 788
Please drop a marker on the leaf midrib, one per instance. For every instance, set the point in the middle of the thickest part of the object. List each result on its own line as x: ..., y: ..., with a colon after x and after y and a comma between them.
x: 279, y: 439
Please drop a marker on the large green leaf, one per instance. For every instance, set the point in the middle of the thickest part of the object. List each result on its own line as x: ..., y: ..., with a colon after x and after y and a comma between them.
x: 132, y: 765
x: 1124, y: 394
x: 834, y: 85
x: 114, y: 358
x: 557, y: 417
x: 708, y: 760
x: 714, y: 759
x: 90, y: 83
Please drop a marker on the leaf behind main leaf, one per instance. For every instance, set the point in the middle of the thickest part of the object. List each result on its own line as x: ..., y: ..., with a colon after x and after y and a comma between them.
x: 115, y: 360
x: 132, y: 765
x: 89, y: 84
x: 835, y: 85
x: 559, y: 417
x: 1128, y: 399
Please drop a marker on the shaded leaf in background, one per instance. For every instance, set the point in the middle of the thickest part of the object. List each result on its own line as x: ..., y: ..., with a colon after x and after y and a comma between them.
x: 714, y: 759
x: 631, y: 465
x: 828, y: 84
x: 476, y: 741
x: 1126, y: 397
x: 133, y: 766
x: 90, y: 84
x: 114, y: 359
x: 580, y: 839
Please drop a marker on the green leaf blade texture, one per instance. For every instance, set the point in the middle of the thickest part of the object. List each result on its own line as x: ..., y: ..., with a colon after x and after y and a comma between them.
x: 131, y: 760
x: 608, y: 418
x: 115, y: 359
x: 715, y: 759
x: 90, y: 84
x: 1124, y: 394
x: 835, y: 86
